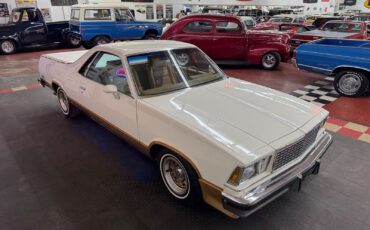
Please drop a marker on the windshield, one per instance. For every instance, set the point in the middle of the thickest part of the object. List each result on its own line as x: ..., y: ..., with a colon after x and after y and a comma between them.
x: 280, y: 19
x: 166, y: 71
x: 343, y: 27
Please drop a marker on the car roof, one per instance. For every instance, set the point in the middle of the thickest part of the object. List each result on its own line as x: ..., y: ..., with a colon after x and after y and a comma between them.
x: 101, y: 5
x: 220, y: 16
x: 289, y: 15
x: 144, y: 46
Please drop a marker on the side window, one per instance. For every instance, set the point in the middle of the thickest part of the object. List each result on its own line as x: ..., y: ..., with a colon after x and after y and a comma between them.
x: 199, y: 26
x: 107, y: 69
x: 123, y: 15
x: 228, y: 27
x: 97, y: 14
x: 33, y: 16
x: 25, y: 17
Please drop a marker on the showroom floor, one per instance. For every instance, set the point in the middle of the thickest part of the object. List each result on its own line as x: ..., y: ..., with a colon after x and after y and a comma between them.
x: 57, y: 173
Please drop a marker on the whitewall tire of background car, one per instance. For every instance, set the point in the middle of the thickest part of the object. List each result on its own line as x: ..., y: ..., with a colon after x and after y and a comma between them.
x: 67, y: 108
x: 179, y: 177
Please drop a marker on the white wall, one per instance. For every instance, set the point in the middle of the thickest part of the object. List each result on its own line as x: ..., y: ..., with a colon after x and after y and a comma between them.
x: 11, y: 5
x: 359, y: 6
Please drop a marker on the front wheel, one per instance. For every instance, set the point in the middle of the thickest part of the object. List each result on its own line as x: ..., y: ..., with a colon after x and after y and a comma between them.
x: 270, y: 60
x: 351, y: 83
x: 179, y: 177
x: 7, y: 47
x: 67, y: 109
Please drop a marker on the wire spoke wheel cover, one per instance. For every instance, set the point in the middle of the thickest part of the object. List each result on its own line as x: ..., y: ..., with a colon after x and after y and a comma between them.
x: 349, y: 83
x: 175, y: 176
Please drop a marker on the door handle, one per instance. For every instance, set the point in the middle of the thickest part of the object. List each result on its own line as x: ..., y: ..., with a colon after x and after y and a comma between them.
x: 83, y: 88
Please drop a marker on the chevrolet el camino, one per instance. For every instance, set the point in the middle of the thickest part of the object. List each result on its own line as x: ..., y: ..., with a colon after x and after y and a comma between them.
x: 232, y: 143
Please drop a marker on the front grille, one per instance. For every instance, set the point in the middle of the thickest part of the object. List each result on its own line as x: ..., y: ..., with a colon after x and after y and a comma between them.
x: 293, y: 151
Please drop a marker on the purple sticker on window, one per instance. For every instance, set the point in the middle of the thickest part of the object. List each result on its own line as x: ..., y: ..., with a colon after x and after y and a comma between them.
x: 121, y: 72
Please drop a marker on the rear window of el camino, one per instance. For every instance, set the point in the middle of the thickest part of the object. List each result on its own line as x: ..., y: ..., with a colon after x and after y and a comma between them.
x: 199, y: 27
x: 97, y: 14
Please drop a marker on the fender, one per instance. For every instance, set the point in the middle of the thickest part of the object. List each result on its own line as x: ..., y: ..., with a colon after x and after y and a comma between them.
x: 256, y: 52
x: 14, y: 37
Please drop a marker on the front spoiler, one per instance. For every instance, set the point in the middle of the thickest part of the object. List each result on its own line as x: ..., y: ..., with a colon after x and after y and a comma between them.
x: 281, y: 184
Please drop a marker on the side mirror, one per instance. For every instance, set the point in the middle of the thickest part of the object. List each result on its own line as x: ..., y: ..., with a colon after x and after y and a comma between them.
x: 112, y: 89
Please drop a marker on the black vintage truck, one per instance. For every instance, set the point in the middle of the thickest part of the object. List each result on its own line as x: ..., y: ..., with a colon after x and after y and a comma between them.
x: 27, y: 29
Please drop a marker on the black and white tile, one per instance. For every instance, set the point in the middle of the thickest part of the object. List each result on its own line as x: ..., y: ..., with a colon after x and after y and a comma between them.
x: 320, y: 92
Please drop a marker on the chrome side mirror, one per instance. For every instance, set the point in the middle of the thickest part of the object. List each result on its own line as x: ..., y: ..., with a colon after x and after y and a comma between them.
x: 113, y: 90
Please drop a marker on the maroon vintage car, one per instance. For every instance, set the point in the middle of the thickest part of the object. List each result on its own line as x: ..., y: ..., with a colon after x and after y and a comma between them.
x: 227, y: 41
x: 283, y: 19
x: 332, y: 29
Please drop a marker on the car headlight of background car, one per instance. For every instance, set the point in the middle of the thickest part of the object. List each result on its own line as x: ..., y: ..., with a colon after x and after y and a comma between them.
x: 241, y: 174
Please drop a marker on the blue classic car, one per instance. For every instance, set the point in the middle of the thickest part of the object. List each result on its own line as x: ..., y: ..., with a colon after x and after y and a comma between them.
x: 96, y: 24
x: 347, y: 60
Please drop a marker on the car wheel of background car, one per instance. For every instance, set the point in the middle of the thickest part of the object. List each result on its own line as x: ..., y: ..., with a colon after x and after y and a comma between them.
x: 68, y: 109
x: 87, y: 45
x: 270, y: 60
x: 73, y: 41
x: 7, y: 47
x: 100, y: 40
x: 150, y: 36
x: 351, y: 83
x: 179, y: 177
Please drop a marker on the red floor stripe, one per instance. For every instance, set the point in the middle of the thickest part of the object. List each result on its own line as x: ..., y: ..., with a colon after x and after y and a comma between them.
x: 349, y: 132
x: 367, y: 131
x: 336, y: 121
x: 33, y: 86
x: 4, y: 91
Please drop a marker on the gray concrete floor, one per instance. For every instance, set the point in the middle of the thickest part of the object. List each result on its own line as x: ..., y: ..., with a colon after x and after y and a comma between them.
x: 57, y: 173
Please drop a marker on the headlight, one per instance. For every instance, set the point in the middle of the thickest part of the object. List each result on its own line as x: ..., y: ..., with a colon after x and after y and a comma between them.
x: 241, y: 174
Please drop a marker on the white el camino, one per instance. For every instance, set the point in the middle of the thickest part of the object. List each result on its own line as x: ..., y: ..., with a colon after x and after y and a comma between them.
x: 232, y: 143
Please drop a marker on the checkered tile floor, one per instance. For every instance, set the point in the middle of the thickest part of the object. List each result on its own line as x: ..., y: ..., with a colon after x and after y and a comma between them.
x: 320, y: 92
x: 19, y: 88
x: 357, y: 131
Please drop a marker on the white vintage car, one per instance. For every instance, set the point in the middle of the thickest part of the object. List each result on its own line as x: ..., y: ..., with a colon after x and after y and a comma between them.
x: 232, y: 143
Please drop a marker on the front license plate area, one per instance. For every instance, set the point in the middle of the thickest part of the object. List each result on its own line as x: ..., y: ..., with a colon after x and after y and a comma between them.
x: 297, y: 184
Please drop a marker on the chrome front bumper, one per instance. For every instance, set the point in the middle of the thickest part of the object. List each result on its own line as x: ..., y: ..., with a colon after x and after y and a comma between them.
x: 277, y: 186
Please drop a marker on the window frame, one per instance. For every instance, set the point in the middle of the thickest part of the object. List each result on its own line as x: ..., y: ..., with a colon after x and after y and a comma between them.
x: 87, y: 65
x: 97, y: 19
x: 241, y: 28
x: 79, y: 14
x: 201, y: 20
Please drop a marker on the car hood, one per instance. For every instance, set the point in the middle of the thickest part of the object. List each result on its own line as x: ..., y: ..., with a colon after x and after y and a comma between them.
x: 325, y: 34
x: 233, y: 108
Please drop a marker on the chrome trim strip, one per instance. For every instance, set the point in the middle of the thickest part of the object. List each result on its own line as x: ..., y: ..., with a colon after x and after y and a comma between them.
x: 284, y: 179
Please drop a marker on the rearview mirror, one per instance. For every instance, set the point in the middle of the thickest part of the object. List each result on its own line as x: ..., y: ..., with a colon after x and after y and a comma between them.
x: 112, y: 89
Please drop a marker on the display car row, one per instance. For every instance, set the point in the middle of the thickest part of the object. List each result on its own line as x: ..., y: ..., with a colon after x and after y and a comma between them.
x: 168, y: 99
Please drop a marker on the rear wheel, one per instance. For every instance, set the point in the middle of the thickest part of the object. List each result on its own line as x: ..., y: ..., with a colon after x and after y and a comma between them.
x: 67, y: 109
x: 351, y: 83
x: 100, y: 40
x: 270, y: 60
x: 179, y: 177
x: 7, y: 47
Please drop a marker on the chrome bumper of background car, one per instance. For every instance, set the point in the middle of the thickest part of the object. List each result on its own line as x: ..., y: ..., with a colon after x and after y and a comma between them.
x: 269, y: 191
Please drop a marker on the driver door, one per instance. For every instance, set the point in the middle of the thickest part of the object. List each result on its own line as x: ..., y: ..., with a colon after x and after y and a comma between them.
x: 125, y: 25
x: 32, y: 29
x: 117, y: 109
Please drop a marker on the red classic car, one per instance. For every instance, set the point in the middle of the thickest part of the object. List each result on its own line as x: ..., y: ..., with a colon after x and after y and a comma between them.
x: 277, y: 20
x: 332, y: 29
x: 227, y: 41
